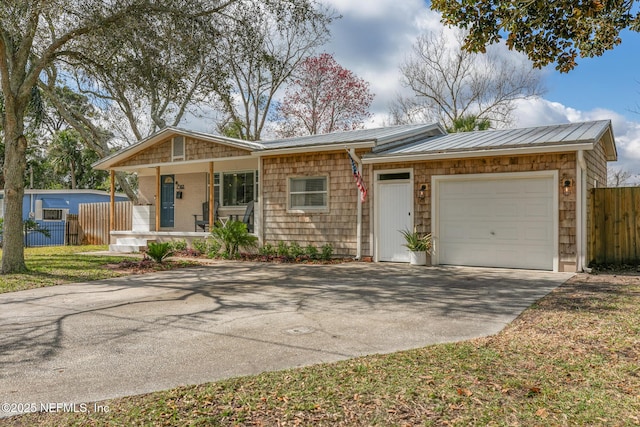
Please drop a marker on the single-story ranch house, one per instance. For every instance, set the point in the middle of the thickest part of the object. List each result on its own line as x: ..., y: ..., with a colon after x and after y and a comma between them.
x: 515, y: 198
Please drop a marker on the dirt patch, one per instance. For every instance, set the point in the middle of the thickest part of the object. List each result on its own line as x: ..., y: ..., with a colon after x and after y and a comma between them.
x: 148, y: 266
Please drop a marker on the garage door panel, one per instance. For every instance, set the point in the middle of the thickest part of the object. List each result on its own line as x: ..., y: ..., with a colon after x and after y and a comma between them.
x: 497, y: 222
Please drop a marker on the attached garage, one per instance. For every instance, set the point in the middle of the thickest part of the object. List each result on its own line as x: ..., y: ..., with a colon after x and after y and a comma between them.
x: 496, y: 220
x: 508, y: 198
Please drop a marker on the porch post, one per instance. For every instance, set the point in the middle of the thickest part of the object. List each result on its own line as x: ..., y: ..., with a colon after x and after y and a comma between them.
x: 211, y: 196
x: 112, y: 201
x: 157, y: 198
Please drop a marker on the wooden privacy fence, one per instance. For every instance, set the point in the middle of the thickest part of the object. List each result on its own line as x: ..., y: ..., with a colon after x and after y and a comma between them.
x: 94, y: 221
x: 615, y: 225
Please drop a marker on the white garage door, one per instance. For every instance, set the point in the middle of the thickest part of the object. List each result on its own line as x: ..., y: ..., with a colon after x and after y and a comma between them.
x: 497, y: 222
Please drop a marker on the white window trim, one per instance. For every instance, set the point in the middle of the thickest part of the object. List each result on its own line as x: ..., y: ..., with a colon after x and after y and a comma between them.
x: 63, y: 214
x: 313, y: 209
x: 173, y: 148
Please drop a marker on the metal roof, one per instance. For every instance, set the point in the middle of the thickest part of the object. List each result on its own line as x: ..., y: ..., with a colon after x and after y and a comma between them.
x: 563, y: 134
x: 377, y: 136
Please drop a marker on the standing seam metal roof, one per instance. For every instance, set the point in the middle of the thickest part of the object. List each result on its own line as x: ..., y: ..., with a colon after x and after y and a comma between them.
x: 360, y: 135
x: 563, y: 134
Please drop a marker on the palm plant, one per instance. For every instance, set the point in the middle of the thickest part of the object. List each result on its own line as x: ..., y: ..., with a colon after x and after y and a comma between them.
x: 417, y: 242
x: 233, y: 235
x: 159, y: 251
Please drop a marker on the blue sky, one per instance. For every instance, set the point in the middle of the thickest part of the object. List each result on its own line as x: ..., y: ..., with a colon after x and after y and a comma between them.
x: 611, y: 81
x: 373, y: 37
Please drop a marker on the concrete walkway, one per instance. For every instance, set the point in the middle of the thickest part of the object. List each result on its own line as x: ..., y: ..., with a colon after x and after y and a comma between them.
x: 138, y: 334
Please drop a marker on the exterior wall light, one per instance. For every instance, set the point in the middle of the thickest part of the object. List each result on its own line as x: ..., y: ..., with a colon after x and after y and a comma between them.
x: 422, y: 192
x: 567, y: 185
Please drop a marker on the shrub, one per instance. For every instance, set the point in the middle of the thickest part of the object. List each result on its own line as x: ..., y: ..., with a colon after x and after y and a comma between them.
x: 295, y: 250
x: 312, y: 252
x: 232, y: 236
x: 267, y: 250
x: 326, y: 252
x: 283, y: 249
x: 159, y: 251
x: 179, y: 246
x: 208, y: 247
x: 200, y: 245
x: 213, y: 248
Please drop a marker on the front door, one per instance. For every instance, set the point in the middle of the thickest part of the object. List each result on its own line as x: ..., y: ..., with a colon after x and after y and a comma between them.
x: 167, y: 193
x: 394, y: 207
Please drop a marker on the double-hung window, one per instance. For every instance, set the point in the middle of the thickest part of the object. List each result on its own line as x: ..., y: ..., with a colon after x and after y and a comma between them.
x: 308, y: 193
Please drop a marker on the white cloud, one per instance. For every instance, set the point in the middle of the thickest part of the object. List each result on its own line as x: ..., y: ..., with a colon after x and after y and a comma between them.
x: 373, y: 37
x: 540, y: 112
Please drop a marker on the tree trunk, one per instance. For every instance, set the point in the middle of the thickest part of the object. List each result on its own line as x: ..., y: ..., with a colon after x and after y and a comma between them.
x: 14, y: 169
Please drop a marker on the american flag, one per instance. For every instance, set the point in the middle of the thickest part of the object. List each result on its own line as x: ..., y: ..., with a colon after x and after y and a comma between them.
x: 358, y: 178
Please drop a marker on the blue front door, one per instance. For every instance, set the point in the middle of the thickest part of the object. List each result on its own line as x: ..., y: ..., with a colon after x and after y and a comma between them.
x: 167, y: 193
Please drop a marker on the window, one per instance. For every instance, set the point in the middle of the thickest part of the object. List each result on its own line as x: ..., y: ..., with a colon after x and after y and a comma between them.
x: 178, y: 148
x: 308, y: 193
x: 238, y: 188
x: 52, y: 214
x: 394, y: 176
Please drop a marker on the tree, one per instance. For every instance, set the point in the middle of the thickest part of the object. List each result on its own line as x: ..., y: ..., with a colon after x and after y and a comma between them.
x: 324, y: 98
x: 65, y: 152
x: 35, y: 35
x: 263, y: 45
x: 546, y: 31
x: 449, y: 83
x: 619, y: 177
x: 468, y: 124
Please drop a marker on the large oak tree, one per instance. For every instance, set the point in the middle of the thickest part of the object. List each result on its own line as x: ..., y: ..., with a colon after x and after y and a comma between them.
x: 546, y: 31
x: 37, y: 34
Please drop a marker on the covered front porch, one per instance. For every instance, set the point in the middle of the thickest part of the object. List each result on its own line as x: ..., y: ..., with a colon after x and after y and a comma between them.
x: 186, y: 183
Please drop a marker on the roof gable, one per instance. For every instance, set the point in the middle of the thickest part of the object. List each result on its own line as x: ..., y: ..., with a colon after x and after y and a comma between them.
x: 156, y: 148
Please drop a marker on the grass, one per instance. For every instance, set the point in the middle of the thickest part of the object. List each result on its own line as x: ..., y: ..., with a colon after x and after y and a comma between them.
x: 571, y: 359
x: 49, y: 266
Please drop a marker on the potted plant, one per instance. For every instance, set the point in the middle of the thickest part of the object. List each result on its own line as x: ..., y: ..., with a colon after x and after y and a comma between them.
x: 419, y: 246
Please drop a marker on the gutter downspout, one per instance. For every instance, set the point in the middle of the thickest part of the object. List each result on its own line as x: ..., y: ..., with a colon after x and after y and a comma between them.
x: 352, y: 152
x: 581, y: 209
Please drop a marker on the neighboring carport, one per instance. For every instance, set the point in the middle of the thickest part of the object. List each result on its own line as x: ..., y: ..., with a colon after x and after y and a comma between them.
x: 138, y: 334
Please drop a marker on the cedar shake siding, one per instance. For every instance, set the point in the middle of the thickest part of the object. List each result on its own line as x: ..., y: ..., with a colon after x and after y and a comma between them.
x: 565, y: 163
x: 596, y: 161
x: 195, y: 149
x: 337, y: 225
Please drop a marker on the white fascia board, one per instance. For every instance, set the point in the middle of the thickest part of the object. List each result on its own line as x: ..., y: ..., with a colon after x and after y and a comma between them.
x: 181, y: 163
x: 313, y: 149
x: 481, y: 153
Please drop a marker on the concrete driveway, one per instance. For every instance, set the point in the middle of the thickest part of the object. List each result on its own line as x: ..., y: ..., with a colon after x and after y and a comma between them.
x: 117, y: 337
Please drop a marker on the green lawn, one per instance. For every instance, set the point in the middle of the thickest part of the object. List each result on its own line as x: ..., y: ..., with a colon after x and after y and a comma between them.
x: 55, y: 265
x: 571, y: 359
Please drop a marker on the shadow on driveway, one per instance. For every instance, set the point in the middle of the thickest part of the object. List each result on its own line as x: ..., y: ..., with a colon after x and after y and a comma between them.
x: 137, y: 334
